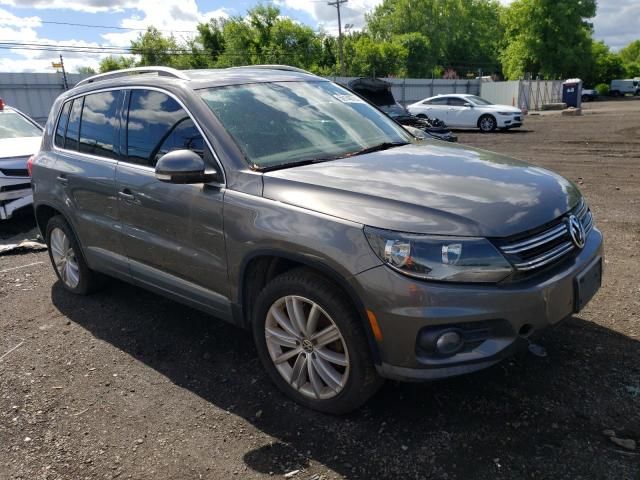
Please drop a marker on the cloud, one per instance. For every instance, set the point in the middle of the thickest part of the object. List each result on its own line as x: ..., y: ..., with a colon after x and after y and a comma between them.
x: 326, y: 16
x: 90, y: 6
x: 617, y: 22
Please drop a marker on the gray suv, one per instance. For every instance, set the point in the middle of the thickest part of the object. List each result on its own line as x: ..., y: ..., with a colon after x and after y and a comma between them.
x: 283, y: 203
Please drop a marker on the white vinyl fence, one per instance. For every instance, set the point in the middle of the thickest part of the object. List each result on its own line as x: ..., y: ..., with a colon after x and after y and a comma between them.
x: 525, y: 94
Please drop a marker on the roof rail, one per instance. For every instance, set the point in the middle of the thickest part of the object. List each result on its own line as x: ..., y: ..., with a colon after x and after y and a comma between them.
x: 287, y: 68
x: 160, y: 71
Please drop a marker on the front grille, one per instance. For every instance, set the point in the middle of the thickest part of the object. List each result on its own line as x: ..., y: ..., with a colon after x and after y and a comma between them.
x: 548, y: 246
x: 14, y: 172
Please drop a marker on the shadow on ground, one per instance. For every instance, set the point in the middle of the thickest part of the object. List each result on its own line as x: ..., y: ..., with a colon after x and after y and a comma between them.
x: 528, y: 417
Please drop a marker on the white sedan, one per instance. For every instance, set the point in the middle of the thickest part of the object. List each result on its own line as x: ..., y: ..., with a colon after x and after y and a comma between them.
x: 468, y: 111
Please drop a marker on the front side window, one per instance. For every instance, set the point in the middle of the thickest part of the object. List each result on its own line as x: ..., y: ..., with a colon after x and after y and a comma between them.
x: 156, y: 125
x: 14, y: 125
x: 456, y: 102
x: 99, y: 125
x: 73, y: 127
x: 281, y: 123
x: 437, y: 101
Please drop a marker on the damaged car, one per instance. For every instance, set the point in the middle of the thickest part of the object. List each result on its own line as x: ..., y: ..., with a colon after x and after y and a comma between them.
x: 19, y: 139
x: 379, y: 93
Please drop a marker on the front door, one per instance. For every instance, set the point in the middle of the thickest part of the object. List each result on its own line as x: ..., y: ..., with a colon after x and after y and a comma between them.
x: 172, y: 234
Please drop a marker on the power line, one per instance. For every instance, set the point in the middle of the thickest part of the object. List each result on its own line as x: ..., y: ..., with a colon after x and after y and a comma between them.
x: 107, y: 27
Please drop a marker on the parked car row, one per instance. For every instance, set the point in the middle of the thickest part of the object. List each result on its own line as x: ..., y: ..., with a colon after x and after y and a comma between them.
x: 285, y: 204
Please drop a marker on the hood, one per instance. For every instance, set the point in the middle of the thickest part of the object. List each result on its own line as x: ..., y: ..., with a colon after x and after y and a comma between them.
x: 428, y: 188
x: 19, y: 147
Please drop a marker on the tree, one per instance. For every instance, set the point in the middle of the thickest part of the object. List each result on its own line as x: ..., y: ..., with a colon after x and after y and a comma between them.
x: 551, y: 38
x: 630, y: 57
x: 211, y: 37
x: 86, y: 70
x: 604, y: 65
x: 111, y: 63
x: 455, y: 32
x: 155, y: 49
x: 377, y: 59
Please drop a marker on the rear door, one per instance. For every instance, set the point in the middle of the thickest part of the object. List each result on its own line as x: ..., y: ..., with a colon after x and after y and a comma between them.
x: 436, y: 108
x: 86, y: 145
x: 173, y: 234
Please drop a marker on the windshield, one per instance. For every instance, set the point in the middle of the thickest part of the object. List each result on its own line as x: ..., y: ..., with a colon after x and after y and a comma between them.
x: 479, y: 101
x: 276, y: 124
x: 14, y: 125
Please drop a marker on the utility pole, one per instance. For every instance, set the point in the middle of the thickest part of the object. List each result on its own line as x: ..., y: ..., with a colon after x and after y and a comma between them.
x: 337, y: 3
x: 64, y: 74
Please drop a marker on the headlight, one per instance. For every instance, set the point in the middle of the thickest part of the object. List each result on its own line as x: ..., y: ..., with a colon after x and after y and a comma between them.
x: 452, y: 259
x: 506, y: 113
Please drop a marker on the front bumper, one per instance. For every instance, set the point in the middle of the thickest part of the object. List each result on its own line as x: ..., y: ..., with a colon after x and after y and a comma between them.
x: 403, y: 307
x: 509, y: 121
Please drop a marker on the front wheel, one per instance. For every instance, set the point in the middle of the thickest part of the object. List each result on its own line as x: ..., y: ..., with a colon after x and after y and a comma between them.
x: 311, y: 343
x: 487, y: 123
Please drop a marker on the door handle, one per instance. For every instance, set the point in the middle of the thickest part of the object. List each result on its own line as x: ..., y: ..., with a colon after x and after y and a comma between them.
x: 62, y: 179
x: 126, y: 195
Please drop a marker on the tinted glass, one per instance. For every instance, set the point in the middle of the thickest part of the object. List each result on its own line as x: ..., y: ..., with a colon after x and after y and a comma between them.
x: 73, y: 129
x: 456, y: 102
x: 437, y: 101
x: 62, y: 124
x: 156, y: 125
x: 99, y: 126
x: 14, y: 125
x: 276, y: 124
x: 479, y: 101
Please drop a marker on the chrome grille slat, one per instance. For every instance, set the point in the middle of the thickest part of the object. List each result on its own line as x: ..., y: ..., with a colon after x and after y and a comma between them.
x: 549, y: 245
x: 547, y: 258
x: 537, y: 240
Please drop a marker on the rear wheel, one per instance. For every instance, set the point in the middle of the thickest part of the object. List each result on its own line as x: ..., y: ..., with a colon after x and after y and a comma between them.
x: 67, y: 259
x: 487, y: 123
x: 311, y: 343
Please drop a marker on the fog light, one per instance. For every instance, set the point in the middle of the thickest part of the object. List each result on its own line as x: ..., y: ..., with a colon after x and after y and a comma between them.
x: 449, y: 343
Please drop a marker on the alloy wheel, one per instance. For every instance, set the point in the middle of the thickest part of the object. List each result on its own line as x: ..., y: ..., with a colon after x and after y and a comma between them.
x: 64, y: 258
x: 306, y: 347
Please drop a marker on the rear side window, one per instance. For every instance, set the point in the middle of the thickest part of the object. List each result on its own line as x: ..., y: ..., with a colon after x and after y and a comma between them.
x: 99, y: 126
x: 437, y: 101
x: 62, y: 124
x: 156, y: 125
x: 73, y: 128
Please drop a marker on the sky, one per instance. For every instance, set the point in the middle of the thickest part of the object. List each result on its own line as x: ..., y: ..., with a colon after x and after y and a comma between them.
x: 41, y: 22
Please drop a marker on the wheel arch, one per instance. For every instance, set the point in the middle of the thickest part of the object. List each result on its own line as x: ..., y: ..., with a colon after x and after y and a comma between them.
x: 262, y: 266
x: 486, y: 115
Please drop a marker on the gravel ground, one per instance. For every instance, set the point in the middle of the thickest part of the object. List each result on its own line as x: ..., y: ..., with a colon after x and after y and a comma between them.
x: 126, y: 384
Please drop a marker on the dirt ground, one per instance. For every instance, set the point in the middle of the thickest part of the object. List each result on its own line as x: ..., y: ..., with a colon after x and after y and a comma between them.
x: 126, y: 384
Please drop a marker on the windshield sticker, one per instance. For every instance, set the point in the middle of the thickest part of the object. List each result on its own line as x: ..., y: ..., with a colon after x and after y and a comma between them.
x: 347, y: 98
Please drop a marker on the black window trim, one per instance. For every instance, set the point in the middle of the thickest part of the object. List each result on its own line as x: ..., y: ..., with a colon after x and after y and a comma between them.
x: 126, y: 101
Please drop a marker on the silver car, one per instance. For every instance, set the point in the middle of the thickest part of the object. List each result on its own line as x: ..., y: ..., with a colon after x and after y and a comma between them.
x: 283, y: 203
x: 20, y: 138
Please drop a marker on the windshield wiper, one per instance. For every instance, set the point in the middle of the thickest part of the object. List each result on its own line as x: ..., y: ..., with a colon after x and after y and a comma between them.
x: 298, y: 163
x: 379, y: 147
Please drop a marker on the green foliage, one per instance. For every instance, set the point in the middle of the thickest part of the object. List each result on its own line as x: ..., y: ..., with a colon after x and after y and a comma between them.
x: 602, y: 89
x: 630, y: 56
x: 455, y: 32
x: 411, y: 38
x: 86, y: 70
x: 550, y: 38
x: 111, y: 63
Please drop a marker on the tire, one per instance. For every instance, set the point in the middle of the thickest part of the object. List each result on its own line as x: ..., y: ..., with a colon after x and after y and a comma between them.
x: 586, y: 98
x: 68, y: 260
x: 421, y: 115
x: 487, y: 123
x: 337, y: 381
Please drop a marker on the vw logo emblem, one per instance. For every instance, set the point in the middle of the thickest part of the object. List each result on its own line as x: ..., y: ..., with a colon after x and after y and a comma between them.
x: 576, y: 231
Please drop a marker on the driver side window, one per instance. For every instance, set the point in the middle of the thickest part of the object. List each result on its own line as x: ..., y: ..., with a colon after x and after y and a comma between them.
x: 156, y: 125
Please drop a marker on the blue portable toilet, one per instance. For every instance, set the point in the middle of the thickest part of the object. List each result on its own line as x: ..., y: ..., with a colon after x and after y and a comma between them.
x: 572, y: 92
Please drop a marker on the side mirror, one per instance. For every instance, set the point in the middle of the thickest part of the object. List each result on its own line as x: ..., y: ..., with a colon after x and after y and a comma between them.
x: 467, y: 104
x: 183, y: 166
